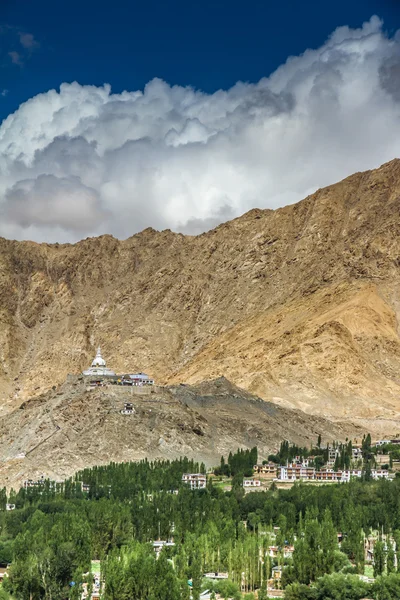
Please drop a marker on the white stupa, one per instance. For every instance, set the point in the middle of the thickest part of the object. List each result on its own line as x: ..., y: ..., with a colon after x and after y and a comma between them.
x: 99, y: 367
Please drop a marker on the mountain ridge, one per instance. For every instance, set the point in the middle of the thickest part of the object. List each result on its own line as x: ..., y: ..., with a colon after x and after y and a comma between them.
x: 315, y: 283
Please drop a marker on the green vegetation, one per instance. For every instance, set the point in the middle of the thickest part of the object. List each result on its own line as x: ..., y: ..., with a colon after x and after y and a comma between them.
x: 240, y: 464
x: 57, y: 531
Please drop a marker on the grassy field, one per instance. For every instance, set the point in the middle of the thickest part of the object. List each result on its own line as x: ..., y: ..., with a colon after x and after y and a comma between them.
x: 96, y: 567
x: 369, y: 571
x: 224, y: 483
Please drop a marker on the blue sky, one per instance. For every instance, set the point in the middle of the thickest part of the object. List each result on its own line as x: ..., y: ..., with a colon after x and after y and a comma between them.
x: 211, y: 108
x: 209, y: 44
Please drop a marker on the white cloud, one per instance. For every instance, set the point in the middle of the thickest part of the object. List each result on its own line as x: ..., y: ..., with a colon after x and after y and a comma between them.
x: 50, y: 201
x: 84, y: 161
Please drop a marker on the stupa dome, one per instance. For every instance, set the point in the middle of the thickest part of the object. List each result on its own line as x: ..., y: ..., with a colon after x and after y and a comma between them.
x: 99, y: 367
x: 98, y: 360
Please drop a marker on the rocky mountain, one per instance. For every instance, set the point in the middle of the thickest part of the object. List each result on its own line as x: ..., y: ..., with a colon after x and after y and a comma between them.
x: 71, y: 427
x: 300, y: 305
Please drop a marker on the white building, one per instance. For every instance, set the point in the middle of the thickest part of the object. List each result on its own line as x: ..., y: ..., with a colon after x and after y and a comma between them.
x: 197, y: 481
x: 292, y: 472
x: 140, y: 379
x: 99, y: 367
x: 30, y: 483
x: 128, y: 409
x: 158, y: 545
x: 379, y: 474
x: 347, y: 475
x: 251, y: 483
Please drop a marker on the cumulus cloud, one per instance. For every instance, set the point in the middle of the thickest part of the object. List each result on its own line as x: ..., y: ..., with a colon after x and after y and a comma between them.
x: 85, y: 161
x: 50, y: 201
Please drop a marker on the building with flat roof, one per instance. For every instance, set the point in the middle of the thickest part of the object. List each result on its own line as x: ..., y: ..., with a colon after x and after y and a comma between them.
x: 140, y: 379
x: 251, y: 483
x: 197, y: 481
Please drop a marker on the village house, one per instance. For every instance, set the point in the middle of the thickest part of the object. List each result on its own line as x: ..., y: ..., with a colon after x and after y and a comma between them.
x: 277, y: 574
x: 288, y: 551
x: 369, y: 546
x: 328, y: 475
x: 10, y: 506
x: 273, y: 551
x: 267, y: 469
x: 251, y: 483
x: 216, y: 576
x: 128, y: 409
x: 347, y: 475
x: 301, y: 462
x: 30, y: 483
x: 206, y: 595
x: 197, y: 481
x: 293, y: 472
x: 331, y: 475
x: 332, y: 454
x: 379, y: 474
x: 159, y: 545
x: 137, y: 379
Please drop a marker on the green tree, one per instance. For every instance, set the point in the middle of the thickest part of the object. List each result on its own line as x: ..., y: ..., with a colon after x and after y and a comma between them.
x: 390, y: 559
x: 379, y: 558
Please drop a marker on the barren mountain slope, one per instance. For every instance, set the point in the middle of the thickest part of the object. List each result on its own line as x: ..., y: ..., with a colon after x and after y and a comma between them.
x: 69, y: 428
x: 300, y: 305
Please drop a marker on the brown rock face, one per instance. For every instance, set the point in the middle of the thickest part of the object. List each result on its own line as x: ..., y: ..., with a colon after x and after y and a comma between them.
x: 300, y: 305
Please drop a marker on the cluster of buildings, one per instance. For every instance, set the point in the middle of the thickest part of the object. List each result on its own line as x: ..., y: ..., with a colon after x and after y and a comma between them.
x: 298, y: 470
x: 31, y: 483
x: 294, y: 472
x: 99, y: 373
x: 384, y: 442
x: 303, y: 469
